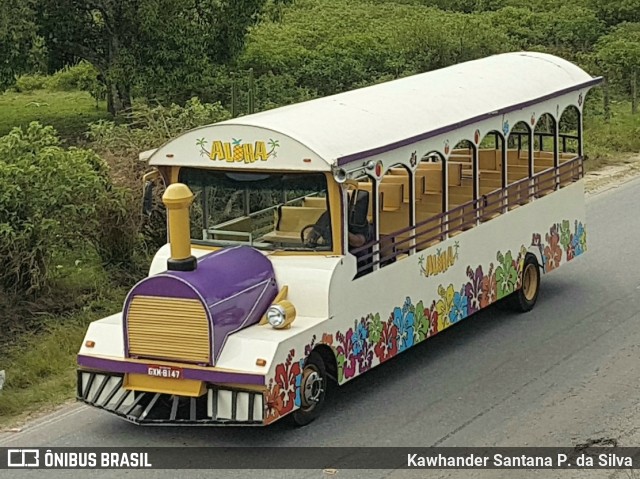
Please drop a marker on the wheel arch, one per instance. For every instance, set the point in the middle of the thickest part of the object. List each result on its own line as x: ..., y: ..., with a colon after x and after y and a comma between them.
x: 329, y: 359
x: 537, y: 253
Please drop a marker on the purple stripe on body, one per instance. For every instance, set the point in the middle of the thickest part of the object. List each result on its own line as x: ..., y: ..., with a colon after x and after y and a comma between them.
x: 214, y: 377
x: 430, y: 134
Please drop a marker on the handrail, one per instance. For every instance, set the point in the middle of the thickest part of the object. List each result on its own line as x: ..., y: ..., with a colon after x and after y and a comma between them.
x: 467, y: 215
x: 563, y: 136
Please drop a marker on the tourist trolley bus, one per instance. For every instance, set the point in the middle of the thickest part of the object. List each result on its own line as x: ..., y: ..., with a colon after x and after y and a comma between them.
x: 319, y: 240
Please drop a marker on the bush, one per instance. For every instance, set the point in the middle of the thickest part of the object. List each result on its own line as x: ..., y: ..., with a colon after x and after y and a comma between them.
x: 621, y: 134
x: 120, y: 144
x: 49, y: 200
x: 27, y: 83
x: 149, y: 127
x: 82, y: 76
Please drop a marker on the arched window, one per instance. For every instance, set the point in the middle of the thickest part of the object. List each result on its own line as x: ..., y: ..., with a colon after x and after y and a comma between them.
x: 518, y: 164
x: 544, y: 154
x: 571, y: 146
x: 395, y: 213
x: 491, y: 174
x: 430, y: 202
x: 461, y: 187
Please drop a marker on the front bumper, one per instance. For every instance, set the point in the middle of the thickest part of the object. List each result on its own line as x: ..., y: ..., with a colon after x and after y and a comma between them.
x: 218, y: 406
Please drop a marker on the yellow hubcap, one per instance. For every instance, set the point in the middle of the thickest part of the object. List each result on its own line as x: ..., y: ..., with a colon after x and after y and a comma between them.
x: 530, y: 281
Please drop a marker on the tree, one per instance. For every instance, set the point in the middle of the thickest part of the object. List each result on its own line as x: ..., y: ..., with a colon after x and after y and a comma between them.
x: 619, y: 11
x: 618, y: 54
x: 149, y: 45
x: 17, y: 39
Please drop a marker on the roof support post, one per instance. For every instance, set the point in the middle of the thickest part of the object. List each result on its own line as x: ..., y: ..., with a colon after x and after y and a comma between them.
x: 412, y: 210
x: 532, y: 188
x: 556, y: 153
x: 375, y: 210
x: 444, y: 225
x: 475, y: 168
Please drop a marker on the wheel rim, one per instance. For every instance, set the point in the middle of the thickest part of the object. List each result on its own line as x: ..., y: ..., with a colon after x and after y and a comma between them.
x: 311, y: 387
x: 530, y: 282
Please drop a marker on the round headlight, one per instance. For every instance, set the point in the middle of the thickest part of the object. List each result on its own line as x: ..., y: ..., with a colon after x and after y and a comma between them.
x: 276, y: 315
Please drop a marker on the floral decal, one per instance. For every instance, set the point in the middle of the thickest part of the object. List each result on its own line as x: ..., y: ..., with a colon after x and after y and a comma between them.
x: 488, y: 288
x: 274, y: 406
x: 347, y: 357
x: 459, y: 310
x: 403, y: 319
x: 553, y: 252
x: 444, y: 306
x: 579, y: 240
x: 473, y: 289
x: 281, y: 397
x: 372, y: 340
x: 387, y: 345
x: 506, y: 275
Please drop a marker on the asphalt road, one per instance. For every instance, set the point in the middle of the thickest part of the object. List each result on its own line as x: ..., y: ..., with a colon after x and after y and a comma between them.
x: 564, y: 374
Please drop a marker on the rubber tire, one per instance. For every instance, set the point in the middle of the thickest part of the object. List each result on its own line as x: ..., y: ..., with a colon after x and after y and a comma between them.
x: 302, y: 417
x: 518, y: 300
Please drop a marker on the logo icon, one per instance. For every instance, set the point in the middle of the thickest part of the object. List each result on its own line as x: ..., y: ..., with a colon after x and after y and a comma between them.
x: 23, y: 458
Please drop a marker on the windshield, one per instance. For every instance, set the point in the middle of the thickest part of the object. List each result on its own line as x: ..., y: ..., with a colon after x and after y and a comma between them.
x: 265, y: 210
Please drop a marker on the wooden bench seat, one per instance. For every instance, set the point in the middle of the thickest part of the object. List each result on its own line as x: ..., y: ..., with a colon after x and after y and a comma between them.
x: 290, y: 222
x: 315, y: 202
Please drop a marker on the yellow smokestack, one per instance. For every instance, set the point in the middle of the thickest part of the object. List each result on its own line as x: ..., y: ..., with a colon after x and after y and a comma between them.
x: 178, y: 198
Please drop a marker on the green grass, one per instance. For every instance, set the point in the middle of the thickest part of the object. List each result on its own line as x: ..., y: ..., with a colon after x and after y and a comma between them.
x: 69, y: 112
x: 40, y: 365
x: 608, y: 140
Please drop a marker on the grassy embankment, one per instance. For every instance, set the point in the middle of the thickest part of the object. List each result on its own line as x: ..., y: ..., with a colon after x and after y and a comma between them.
x: 40, y: 337
x: 40, y: 365
x: 69, y: 112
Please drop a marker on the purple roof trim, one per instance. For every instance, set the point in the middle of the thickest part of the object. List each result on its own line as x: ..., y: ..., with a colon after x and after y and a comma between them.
x: 343, y: 160
x: 214, y: 377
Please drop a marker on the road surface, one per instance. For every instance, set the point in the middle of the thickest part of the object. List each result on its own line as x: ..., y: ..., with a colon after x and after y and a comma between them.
x: 567, y: 373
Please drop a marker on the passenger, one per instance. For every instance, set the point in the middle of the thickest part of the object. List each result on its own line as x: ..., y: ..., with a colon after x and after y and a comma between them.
x: 360, y: 230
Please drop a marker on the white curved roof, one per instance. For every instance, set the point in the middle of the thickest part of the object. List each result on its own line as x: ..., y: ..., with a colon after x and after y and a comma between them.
x: 349, y: 125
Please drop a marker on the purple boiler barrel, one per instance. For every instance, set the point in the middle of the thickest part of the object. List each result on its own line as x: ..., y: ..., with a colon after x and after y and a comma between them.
x: 187, y: 315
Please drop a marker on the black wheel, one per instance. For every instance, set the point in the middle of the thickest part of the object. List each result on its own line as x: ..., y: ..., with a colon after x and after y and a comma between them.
x: 525, y: 298
x: 313, y: 389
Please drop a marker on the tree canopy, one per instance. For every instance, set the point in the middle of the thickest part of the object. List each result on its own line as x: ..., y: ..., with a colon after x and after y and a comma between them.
x: 152, y: 46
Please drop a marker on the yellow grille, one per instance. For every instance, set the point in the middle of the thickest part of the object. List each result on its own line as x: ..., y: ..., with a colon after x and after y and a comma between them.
x: 168, y: 328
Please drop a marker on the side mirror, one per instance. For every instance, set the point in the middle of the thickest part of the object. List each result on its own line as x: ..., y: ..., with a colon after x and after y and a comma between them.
x: 147, y: 198
x: 149, y: 180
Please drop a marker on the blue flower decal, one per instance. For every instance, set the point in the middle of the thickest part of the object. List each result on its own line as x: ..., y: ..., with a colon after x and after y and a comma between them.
x: 505, y: 128
x: 298, y: 400
x: 578, y: 240
x: 360, y: 336
x: 404, y: 320
x: 460, y: 307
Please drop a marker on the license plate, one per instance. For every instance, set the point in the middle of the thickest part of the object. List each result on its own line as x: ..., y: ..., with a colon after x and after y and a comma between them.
x: 165, y: 372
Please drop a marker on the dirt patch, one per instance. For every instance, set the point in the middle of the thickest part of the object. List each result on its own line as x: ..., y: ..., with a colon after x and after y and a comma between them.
x: 613, y: 175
